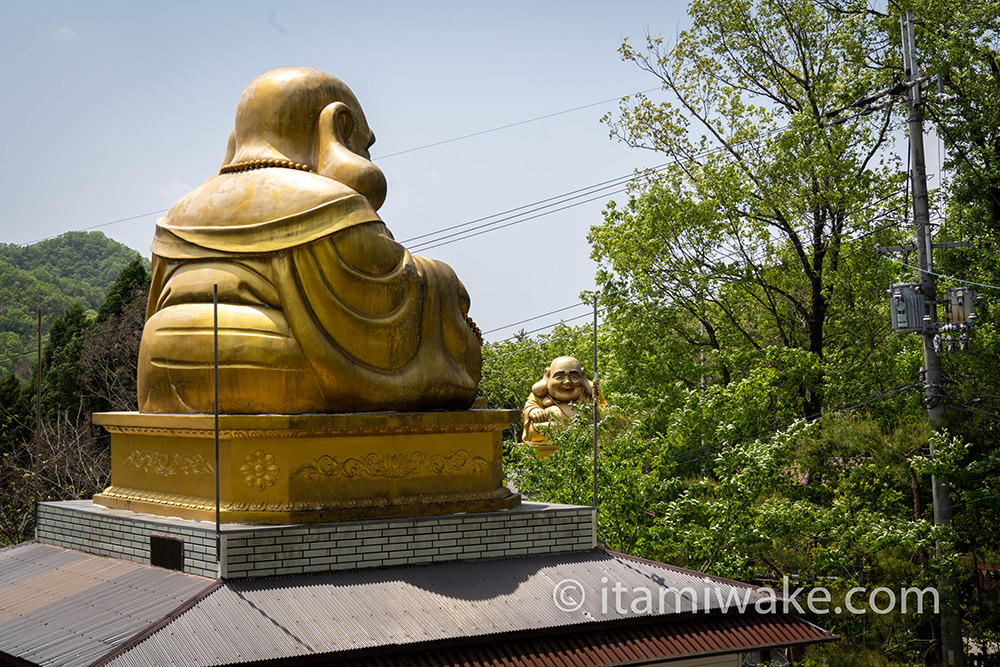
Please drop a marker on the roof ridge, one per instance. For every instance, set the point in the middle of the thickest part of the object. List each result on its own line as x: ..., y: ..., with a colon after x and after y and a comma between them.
x: 677, y: 568
x: 153, y: 628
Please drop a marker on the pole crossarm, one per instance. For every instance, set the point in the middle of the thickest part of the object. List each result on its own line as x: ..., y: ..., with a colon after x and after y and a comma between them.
x: 903, y: 249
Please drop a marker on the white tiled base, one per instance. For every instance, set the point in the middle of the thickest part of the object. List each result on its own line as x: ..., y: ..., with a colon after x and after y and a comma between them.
x: 259, y: 550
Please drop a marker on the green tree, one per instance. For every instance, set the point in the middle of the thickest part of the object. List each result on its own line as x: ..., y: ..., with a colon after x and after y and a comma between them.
x: 61, y: 368
x: 839, y: 502
x: 131, y: 285
x: 85, y: 366
x: 760, y: 232
x: 16, y: 418
x: 110, y: 352
x: 634, y: 477
x: 960, y: 42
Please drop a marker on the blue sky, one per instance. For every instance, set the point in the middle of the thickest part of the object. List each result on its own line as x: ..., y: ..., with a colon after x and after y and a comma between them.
x: 114, y: 110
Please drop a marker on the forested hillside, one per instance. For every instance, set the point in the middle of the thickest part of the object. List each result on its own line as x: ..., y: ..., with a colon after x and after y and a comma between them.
x: 92, y: 292
x: 77, y: 267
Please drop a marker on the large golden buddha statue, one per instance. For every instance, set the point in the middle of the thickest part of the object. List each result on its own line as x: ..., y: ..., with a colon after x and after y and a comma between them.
x: 320, y: 310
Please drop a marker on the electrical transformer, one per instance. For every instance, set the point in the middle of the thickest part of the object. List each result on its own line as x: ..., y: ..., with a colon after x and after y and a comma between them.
x: 906, y: 304
x: 960, y: 304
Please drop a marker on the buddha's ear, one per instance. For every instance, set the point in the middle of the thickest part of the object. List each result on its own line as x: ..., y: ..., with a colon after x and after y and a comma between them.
x: 541, y: 388
x: 335, y: 159
x: 341, y: 119
x: 335, y: 126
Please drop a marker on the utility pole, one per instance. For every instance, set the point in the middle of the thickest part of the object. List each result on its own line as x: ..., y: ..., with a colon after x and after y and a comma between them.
x: 951, y: 624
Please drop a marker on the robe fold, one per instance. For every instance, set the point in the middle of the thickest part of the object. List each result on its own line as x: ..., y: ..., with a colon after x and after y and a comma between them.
x: 320, y: 310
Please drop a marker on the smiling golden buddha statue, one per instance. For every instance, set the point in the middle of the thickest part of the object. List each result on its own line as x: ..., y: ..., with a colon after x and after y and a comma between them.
x: 552, y: 400
x: 320, y: 310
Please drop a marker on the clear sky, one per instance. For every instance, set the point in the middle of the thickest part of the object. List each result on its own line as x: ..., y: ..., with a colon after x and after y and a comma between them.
x: 115, y: 110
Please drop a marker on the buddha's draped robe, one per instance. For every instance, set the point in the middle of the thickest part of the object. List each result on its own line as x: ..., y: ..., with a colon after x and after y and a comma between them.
x: 320, y: 310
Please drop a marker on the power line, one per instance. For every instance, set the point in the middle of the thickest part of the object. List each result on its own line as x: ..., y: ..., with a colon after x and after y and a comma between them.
x: 537, y: 206
x: 976, y: 393
x: 510, y: 125
x: 555, y: 201
x: 634, y: 300
x: 533, y: 206
x: 382, y: 157
x: 103, y: 224
x: 942, y: 275
x: 510, y: 217
x: 637, y: 300
x: 495, y: 226
x: 975, y: 409
x: 537, y: 317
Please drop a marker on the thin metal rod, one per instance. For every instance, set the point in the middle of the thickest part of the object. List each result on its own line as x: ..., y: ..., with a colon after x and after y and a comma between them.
x: 215, y: 365
x: 596, y: 390
x: 38, y: 419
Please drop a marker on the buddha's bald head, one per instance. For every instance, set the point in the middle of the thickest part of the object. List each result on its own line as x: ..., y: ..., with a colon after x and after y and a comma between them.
x: 308, y: 117
x: 564, y: 381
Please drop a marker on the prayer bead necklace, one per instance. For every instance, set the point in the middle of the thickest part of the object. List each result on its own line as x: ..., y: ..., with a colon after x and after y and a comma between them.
x: 262, y: 164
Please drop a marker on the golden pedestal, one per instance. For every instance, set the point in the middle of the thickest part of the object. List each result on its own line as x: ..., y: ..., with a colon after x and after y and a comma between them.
x: 543, y: 450
x: 308, y: 468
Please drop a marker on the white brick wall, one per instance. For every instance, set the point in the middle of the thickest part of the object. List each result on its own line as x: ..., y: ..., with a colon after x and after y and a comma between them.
x: 255, y: 550
x: 70, y: 524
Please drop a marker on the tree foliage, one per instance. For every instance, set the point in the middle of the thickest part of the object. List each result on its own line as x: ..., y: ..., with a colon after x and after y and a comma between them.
x: 61, y: 369
x: 88, y: 363
x: 77, y: 267
x: 110, y: 353
x: 960, y: 42
x: 759, y: 232
x: 768, y: 422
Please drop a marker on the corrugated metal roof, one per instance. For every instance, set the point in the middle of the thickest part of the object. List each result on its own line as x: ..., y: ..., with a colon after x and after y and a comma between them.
x: 665, y: 639
x: 370, y: 610
x: 62, y: 607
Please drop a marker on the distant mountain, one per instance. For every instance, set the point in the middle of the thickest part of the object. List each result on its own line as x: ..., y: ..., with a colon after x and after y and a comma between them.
x: 51, y: 275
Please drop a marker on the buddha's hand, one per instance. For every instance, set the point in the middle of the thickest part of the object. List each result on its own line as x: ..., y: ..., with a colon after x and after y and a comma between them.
x: 537, y: 415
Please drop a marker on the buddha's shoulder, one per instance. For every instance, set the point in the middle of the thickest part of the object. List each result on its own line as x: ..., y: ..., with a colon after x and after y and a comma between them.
x: 255, y: 196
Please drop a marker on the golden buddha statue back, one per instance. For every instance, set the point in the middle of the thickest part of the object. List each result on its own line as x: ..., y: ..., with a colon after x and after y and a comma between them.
x: 320, y: 310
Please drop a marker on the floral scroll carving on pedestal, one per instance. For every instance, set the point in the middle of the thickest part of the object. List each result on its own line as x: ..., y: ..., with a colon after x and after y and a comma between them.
x: 391, y: 465
x: 169, y: 465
